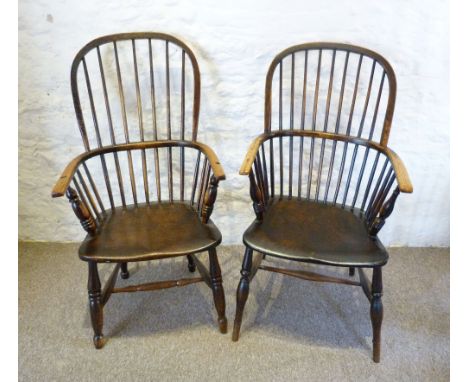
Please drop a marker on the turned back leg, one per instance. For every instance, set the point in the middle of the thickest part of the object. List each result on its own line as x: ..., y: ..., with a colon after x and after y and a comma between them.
x: 124, y: 271
x: 376, y: 311
x: 191, y: 264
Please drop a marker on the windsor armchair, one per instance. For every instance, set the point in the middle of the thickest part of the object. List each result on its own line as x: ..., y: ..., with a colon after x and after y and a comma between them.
x: 319, y: 182
x: 144, y: 188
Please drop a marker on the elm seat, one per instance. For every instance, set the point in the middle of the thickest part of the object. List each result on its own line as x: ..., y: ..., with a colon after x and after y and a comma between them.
x: 303, y: 230
x: 145, y: 232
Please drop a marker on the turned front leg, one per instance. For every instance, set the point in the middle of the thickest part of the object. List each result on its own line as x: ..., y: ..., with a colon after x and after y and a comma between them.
x: 218, y: 290
x: 242, y: 292
x: 376, y: 311
x: 95, y: 304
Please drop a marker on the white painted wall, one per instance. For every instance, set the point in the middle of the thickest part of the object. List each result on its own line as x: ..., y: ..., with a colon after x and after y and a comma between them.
x: 234, y: 43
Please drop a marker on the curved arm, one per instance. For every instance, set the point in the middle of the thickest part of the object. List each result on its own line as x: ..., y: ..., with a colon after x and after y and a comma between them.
x: 67, y: 175
x: 247, y: 164
x: 402, y: 177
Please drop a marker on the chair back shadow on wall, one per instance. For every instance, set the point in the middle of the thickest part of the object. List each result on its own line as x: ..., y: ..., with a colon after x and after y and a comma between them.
x: 322, y: 179
x: 144, y: 188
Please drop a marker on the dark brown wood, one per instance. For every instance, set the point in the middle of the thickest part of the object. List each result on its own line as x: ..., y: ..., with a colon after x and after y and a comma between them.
x: 384, y: 213
x: 315, y: 233
x: 120, y: 39
x: 124, y: 271
x: 124, y: 121
x: 347, y: 198
x: 140, y: 121
x: 89, y: 196
x: 218, y: 291
x: 365, y: 284
x: 95, y: 304
x: 255, y: 194
x: 68, y: 173
x: 334, y: 47
x: 403, y: 179
x: 107, y: 291
x: 376, y: 311
x: 310, y: 276
x: 204, y: 273
x: 140, y: 233
x: 209, y: 200
x: 157, y: 285
x: 242, y: 292
x: 256, y: 263
x: 191, y: 264
x: 159, y: 219
x: 81, y: 212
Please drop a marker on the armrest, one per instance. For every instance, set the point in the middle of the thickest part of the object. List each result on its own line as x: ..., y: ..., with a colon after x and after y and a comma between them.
x: 252, y: 153
x: 67, y: 175
x: 402, y: 177
x: 404, y: 182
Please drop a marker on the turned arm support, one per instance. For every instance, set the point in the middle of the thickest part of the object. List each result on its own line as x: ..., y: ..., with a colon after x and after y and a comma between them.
x: 210, y: 198
x: 403, y: 185
x: 81, y: 211
x: 384, y: 212
x: 247, y: 168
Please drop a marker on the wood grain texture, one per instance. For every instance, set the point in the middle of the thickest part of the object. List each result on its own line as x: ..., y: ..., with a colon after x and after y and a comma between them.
x: 67, y: 174
x: 404, y: 182
x: 348, y: 198
x: 153, y: 220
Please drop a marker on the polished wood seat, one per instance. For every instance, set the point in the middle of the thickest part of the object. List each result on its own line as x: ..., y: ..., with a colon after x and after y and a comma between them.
x: 303, y: 230
x: 147, y: 232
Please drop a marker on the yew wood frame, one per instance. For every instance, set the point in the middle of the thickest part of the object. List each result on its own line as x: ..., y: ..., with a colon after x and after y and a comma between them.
x: 254, y: 166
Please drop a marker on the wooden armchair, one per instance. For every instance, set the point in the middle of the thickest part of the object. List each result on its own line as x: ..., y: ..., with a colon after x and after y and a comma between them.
x: 144, y: 189
x: 321, y: 187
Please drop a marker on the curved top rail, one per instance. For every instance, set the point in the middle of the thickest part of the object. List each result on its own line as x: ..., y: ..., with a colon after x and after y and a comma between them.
x: 335, y: 46
x: 133, y: 36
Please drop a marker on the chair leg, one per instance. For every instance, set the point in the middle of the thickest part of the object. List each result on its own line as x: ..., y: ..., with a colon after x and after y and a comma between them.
x: 95, y: 304
x: 218, y: 291
x: 124, y: 271
x: 242, y: 292
x: 352, y: 271
x: 376, y: 311
x: 191, y: 264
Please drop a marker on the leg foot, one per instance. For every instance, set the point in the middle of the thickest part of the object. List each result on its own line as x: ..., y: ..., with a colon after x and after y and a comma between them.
x: 376, y: 312
x: 191, y: 264
x: 242, y: 292
x: 218, y: 290
x: 95, y: 304
x: 98, y: 342
x: 124, y: 271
